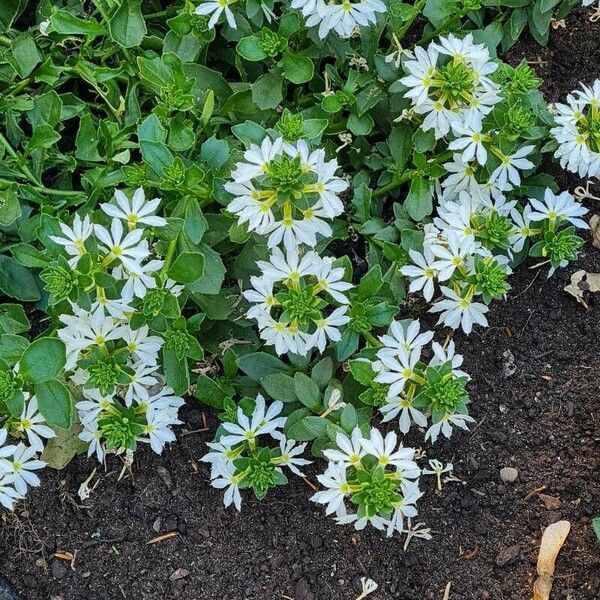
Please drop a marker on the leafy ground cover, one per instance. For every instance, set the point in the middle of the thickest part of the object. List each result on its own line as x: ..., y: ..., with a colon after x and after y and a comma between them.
x: 532, y: 389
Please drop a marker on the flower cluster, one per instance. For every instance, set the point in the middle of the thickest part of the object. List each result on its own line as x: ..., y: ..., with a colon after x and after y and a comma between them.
x: 341, y: 16
x: 240, y: 460
x: 468, y: 249
x: 290, y: 297
x: 119, y: 295
x: 372, y: 475
x: 449, y: 83
x: 19, y: 461
x: 405, y: 386
x: 286, y: 191
x: 577, y: 131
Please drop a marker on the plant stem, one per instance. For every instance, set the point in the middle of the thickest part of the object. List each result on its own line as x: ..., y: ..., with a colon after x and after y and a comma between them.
x: 169, y: 256
x: 22, y: 167
x: 448, y: 24
x: 373, y: 341
x: 417, y: 11
x: 382, y: 191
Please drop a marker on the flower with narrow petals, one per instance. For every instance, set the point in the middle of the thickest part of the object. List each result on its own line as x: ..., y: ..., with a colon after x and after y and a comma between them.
x: 349, y: 451
x: 226, y: 478
x: 506, y: 176
x: 262, y: 422
x: 337, y: 488
x: 32, y: 424
x: 561, y: 207
x: 460, y: 311
x: 74, y: 240
x: 135, y: 210
x: 128, y: 250
x: 290, y: 451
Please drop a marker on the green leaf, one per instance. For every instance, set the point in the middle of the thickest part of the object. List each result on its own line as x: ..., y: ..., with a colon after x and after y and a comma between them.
x: 12, y: 347
x: 307, y: 391
x: 65, y: 23
x: 176, y: 372
x: 16, y: 281
x: 9, y: 11
x: 267, y: 91
x: 29, y: 256
x: 209, y: 392
x: 25, y: 56
x: 60, y: 450
x: 55, y: 403
x: 360, y: 125
x: 187, y: 267
x: 249, y: 132
x: 362, y: 371
x: 43, y: 136
x: 419, y: 202
x: 297, y: 68
x: 371, y: 283
x: 307, y: 429
x: 348, y: 418
x: 10, y: 207
x: 322, y: 372
x: 43, y: 360
x: 596, y: 527
x: 127, y: 26
x: 279, y: 386
x: 249, y: 48
x: 87, y: 140
x: 13, y: 319
x: 213, y: 275
x: 152, y: 136
x: 259, y: 364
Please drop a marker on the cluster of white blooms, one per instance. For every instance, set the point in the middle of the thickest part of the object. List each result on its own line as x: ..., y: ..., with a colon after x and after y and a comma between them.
x: 289, y: 192
x: 578, y: 131
x: 237, y: 460
x: 125, y: 399
x: 463, y: 168
x: 293, y: 287
x: 341, y: 16
x: 376, y: 475
x: 19, y: 461
x: 286, y: 191
x: 419, y: 390
x: 467, y: 248
x: 449, y: 83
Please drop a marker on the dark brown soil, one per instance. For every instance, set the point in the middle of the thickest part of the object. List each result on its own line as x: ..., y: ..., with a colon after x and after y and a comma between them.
x: 543, y: 420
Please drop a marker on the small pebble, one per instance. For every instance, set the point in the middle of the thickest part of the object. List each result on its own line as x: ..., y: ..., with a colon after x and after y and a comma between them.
x: 509, y: 474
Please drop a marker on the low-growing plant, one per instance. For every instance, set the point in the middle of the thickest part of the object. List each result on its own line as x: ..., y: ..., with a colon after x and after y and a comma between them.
x: 225, y: 200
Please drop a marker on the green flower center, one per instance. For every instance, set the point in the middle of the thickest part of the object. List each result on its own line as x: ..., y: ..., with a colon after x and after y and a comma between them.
x: 453, y: 85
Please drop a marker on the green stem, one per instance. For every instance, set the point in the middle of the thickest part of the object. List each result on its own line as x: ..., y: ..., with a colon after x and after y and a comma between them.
x: 373, y: 341
x: 169, y: 256
x: 5, y: 41
x: 23, y: 168
x: 161, y: 13
x: 417, y: 11
x: 382, y: 191
x: 445, y: 26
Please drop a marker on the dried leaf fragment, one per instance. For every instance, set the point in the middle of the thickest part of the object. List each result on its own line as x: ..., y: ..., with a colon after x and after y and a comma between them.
x: 582, y: 281
x: 550, y: 502
x: 178, y: 574
x: 595, y: 229
x: 553, y: 539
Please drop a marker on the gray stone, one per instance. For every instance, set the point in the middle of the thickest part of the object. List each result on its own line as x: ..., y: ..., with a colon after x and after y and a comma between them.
x: 509, y: 474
